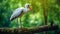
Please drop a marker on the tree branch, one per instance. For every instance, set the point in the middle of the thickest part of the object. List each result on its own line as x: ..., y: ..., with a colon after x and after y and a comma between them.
x: 27, y: 30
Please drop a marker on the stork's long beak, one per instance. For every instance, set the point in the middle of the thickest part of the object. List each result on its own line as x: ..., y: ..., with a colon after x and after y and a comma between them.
x: 30, y: 8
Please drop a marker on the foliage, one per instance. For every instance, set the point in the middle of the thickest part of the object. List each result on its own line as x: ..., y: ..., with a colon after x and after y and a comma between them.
x: 30, y: 19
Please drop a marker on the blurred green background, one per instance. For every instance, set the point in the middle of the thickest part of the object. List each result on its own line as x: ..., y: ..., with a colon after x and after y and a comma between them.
x: 30, y: 19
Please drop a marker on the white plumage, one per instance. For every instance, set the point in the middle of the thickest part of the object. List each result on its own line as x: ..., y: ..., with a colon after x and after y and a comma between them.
x: 19, y: 12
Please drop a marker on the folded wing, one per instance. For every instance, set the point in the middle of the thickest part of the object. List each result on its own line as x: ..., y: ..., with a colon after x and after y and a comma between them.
x: 16, y: 13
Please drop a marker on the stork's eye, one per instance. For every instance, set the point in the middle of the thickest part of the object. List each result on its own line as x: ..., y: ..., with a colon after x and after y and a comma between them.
x: 28, y: 6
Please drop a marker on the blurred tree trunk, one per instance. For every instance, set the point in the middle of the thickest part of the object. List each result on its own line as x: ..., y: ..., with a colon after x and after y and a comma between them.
x: 44, y: 4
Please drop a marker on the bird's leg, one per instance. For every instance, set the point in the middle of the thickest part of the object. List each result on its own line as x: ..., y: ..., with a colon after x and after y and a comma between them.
x: 17, y: 23
x: 20, y: 23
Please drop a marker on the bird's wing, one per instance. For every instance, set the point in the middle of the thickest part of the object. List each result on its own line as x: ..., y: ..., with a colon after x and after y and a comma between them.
x: 16, y: 13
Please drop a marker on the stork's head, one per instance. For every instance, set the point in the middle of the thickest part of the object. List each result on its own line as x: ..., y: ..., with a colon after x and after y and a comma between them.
x: 28, y: 7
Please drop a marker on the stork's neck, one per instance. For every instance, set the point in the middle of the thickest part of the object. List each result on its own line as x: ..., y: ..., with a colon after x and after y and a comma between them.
x: 26, y: 9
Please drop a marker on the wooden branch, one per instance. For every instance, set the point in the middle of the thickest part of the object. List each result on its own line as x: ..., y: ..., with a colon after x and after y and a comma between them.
x: 27, y: 30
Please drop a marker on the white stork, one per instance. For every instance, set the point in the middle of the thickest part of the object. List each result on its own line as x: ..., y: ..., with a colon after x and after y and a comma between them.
x: 19, y: 12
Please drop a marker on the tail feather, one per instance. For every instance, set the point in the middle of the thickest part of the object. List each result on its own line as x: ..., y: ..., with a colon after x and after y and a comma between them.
x: 11, y: 19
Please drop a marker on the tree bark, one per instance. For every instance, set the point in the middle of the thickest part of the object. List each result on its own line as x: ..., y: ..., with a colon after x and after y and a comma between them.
x: 44, y: 4
x: 27, y: 30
